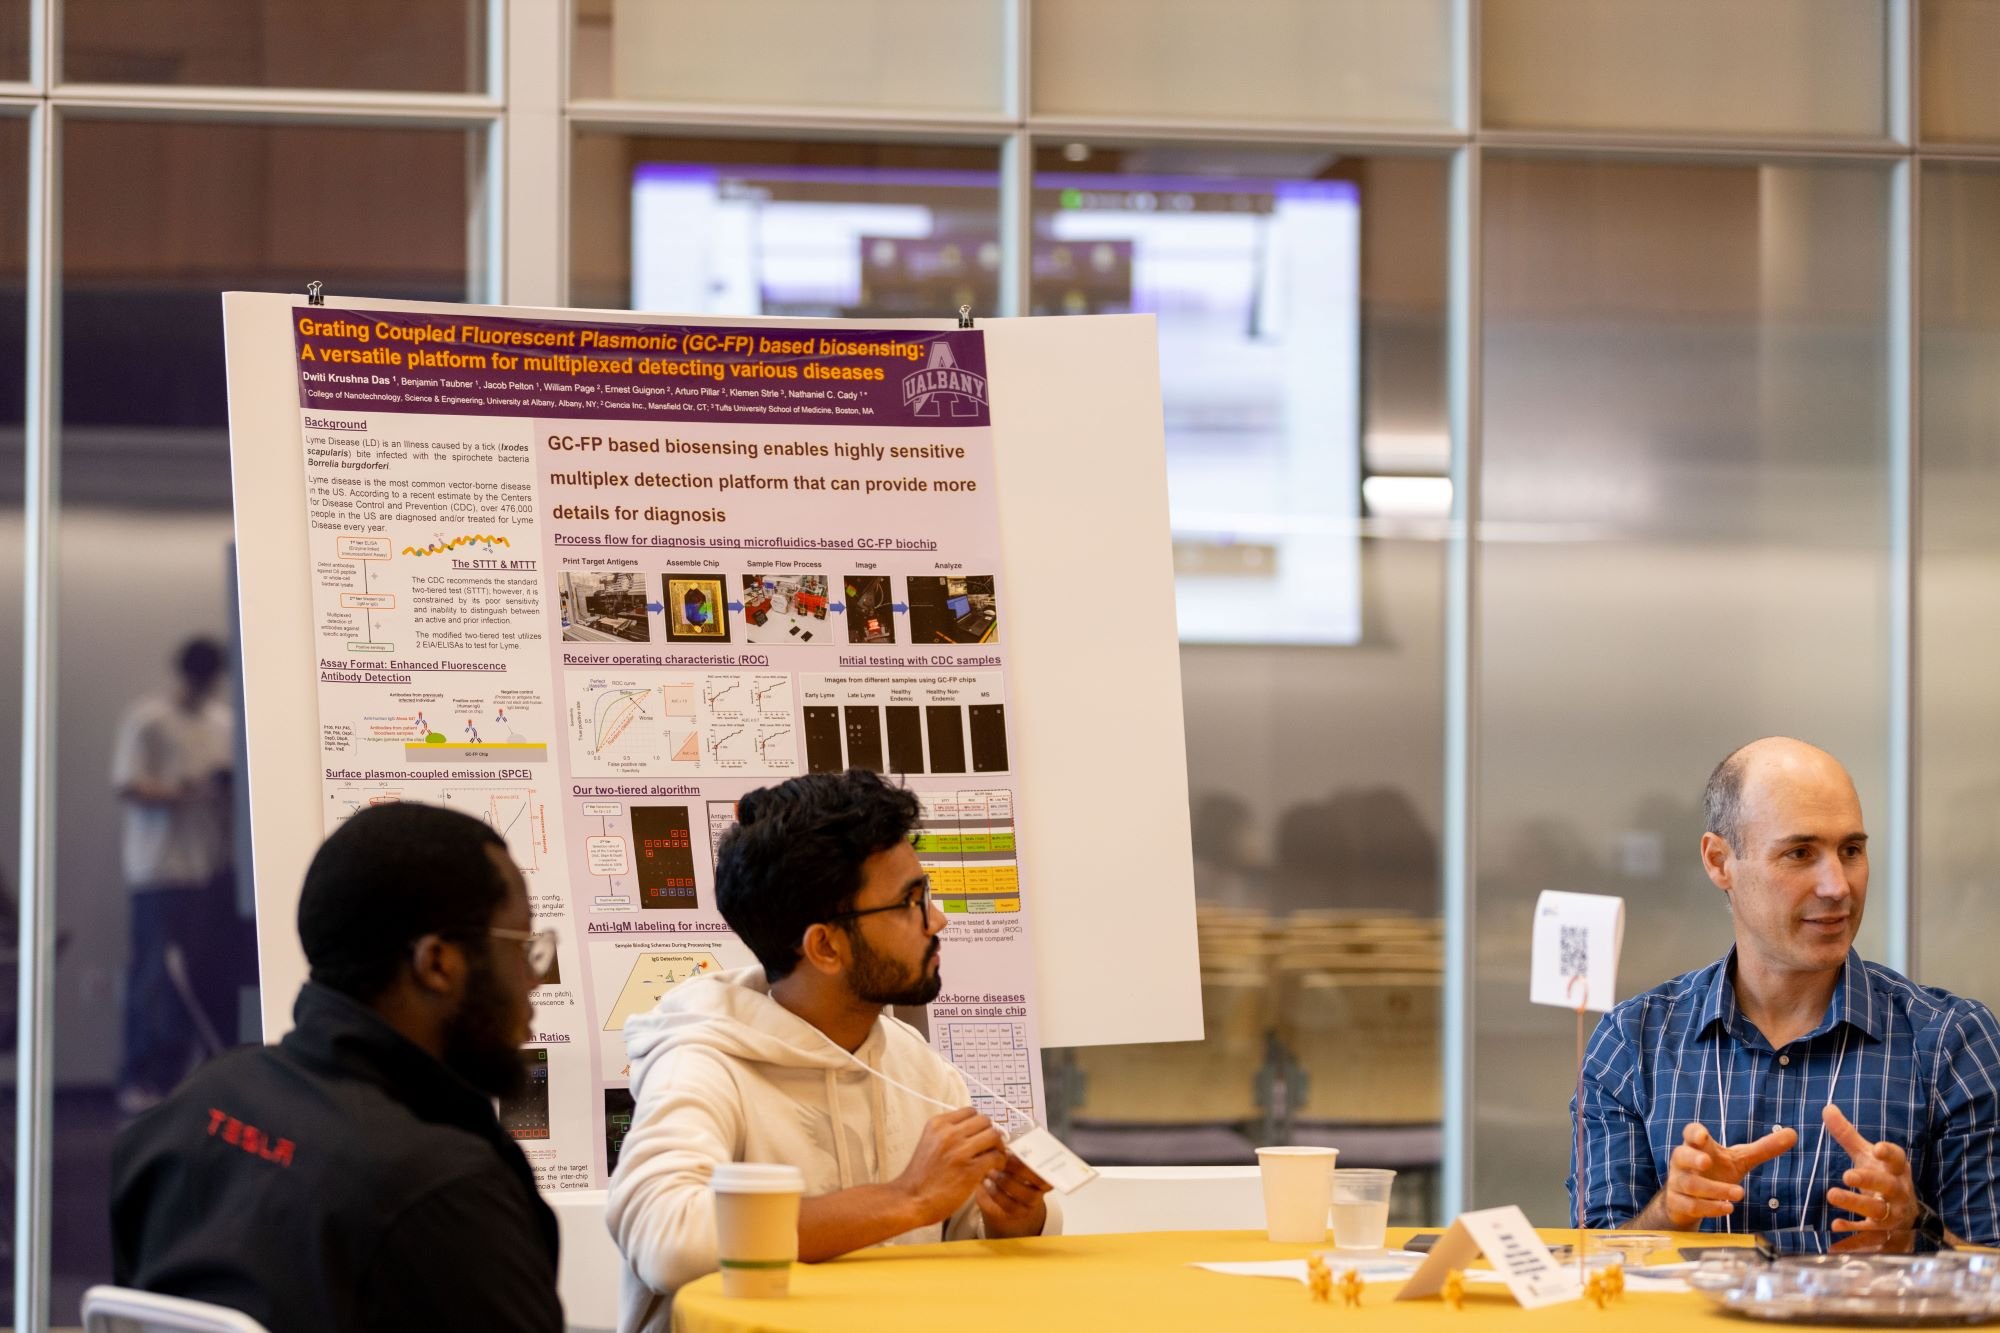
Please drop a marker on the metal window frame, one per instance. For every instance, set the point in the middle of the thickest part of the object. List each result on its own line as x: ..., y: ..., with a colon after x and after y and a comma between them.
x: 1905, y: 430
x: 1467, y: 140
x: 1464, y: 400
x: 521, y: 255
x: 34, y: 1092
x: 1903, y: 150
x: 46, y: 101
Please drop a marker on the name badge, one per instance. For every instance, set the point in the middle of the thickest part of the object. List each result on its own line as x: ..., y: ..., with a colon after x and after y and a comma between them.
x: 1044, y: 1154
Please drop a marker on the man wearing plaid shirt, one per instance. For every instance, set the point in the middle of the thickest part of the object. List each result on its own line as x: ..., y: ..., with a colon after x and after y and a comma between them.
x: 1790, y: 1085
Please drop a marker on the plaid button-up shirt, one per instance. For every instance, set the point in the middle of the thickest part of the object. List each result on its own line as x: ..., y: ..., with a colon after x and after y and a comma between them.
x: 1912, y: 1064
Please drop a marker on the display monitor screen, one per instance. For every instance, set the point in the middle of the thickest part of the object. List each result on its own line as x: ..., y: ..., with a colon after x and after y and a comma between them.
x: 1255, y: 284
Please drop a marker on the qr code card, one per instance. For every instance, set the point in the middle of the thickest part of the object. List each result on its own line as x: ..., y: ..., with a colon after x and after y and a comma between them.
x: 1577, y: 939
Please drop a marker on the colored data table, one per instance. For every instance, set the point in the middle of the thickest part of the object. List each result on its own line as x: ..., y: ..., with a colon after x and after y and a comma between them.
x: 965, y: 840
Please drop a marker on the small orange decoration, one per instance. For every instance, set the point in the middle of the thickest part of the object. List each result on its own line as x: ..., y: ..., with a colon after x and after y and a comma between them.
x: 1318, y: 1279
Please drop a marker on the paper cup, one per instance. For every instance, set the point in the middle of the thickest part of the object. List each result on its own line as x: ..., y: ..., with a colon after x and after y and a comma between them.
x: 756, y: 1226
x: 1298, y: 1188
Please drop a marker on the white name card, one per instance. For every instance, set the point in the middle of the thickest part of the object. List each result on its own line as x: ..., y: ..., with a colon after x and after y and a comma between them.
x: 1051, y: 1159
x: 1517, y: 1254
x: 1577, y: 940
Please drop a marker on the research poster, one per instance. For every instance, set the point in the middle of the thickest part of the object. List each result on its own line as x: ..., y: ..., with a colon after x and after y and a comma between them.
x: 591, y: 583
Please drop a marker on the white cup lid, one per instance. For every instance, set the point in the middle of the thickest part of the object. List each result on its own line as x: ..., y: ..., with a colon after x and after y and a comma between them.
x: 757, y: 1178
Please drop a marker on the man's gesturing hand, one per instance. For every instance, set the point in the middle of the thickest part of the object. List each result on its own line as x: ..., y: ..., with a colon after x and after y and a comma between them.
x: 957, y: 1151
x: 1879, y: 1187
x: 1705, y: 1179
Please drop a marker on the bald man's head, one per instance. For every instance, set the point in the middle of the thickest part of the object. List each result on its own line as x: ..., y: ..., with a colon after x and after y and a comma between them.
x: 1733, y: 786
x: 1786, y: 843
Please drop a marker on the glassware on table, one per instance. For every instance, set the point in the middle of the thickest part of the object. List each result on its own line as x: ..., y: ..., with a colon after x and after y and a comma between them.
x: 1361, y: 1207
x: 1888, y: 1290
x: 1629, y: 1248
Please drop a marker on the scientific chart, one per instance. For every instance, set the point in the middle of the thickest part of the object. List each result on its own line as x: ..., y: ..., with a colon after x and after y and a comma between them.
x: 591, y: 583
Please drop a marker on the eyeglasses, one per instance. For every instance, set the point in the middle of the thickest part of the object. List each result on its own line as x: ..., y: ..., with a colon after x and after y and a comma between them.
x: 538, y: 945
x: 918, y: 902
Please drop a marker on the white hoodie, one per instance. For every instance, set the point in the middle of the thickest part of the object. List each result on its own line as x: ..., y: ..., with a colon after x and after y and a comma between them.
x: 721, y: 1072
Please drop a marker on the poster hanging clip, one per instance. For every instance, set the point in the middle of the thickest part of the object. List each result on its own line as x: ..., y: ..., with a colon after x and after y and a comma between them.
x: 313, y: 290
x: 965, y: 317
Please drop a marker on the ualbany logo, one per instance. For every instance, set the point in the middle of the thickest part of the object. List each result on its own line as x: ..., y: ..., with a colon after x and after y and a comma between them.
x: 941, y: 385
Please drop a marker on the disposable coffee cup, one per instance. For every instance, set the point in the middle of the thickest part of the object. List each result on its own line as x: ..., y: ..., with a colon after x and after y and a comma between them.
x: 1361, y: 1208
x: 756, y: 1226
x: 1298, y: 1188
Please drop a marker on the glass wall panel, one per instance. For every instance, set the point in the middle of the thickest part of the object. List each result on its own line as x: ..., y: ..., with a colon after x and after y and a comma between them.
x: 1347, y: 61
x: 761, y: 227
x: 438, y: 46
x: 1959, y: 41
x: 1307, y: 444
x: 1958, y: 787
x: 1785, y: 67
x: 13, y: 418
x: 1684, y: 546
x: 14, y: 39
x: 146, y: 561
x: 1686, y: 474
x: 906, y: 55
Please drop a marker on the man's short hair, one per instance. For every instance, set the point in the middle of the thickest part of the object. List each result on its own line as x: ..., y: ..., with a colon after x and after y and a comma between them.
x: 389, y: 876
x: 1722, y: 798
x: 794, y: 858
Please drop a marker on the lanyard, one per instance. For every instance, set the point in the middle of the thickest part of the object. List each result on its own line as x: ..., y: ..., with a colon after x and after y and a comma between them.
x: 867, y: 1068
x: 1722, y: 1082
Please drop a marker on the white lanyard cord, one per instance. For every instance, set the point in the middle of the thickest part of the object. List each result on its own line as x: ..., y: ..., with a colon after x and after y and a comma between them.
x: 1709, y: 1053
x: 1722, y: 1082
x: 865, y: 1067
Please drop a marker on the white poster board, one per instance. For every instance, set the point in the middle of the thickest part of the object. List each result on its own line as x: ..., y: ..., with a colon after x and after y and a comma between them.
x: 1081, y: 483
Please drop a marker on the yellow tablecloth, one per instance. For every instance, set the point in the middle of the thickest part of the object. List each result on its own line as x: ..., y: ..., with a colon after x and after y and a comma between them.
x: 1125, y: 1282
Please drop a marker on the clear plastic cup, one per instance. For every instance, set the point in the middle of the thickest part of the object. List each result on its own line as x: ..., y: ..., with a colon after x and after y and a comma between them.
x: 1361, y: 1208
x: 756, y: 1226
x: 1297, y: 1188
x: 1629, y: 1248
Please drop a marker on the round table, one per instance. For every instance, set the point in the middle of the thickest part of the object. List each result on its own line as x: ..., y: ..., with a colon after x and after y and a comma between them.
x: 1118, y: 1282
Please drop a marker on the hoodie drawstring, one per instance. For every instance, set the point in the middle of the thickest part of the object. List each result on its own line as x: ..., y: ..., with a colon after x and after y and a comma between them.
x: 841, y: 1163
x: 879, y: 1112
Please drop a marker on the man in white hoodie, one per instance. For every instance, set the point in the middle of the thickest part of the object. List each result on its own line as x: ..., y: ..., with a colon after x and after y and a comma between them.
x: 795, y: 1061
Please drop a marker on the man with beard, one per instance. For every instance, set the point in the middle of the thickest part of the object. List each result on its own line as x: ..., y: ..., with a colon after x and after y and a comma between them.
x: 354, y: 1176
x: 795, y: 1061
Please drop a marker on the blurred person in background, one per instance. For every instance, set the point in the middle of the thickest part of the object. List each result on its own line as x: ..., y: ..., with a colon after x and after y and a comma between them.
x: 171, y: 768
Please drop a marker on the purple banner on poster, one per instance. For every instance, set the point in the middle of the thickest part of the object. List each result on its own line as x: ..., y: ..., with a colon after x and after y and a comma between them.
x: 393, y: 361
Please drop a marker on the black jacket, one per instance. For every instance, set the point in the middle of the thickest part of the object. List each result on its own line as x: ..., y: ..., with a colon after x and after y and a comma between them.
x: 340, y: 1180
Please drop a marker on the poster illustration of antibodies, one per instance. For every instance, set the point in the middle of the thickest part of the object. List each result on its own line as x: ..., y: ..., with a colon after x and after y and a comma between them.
x: 591, y: 583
